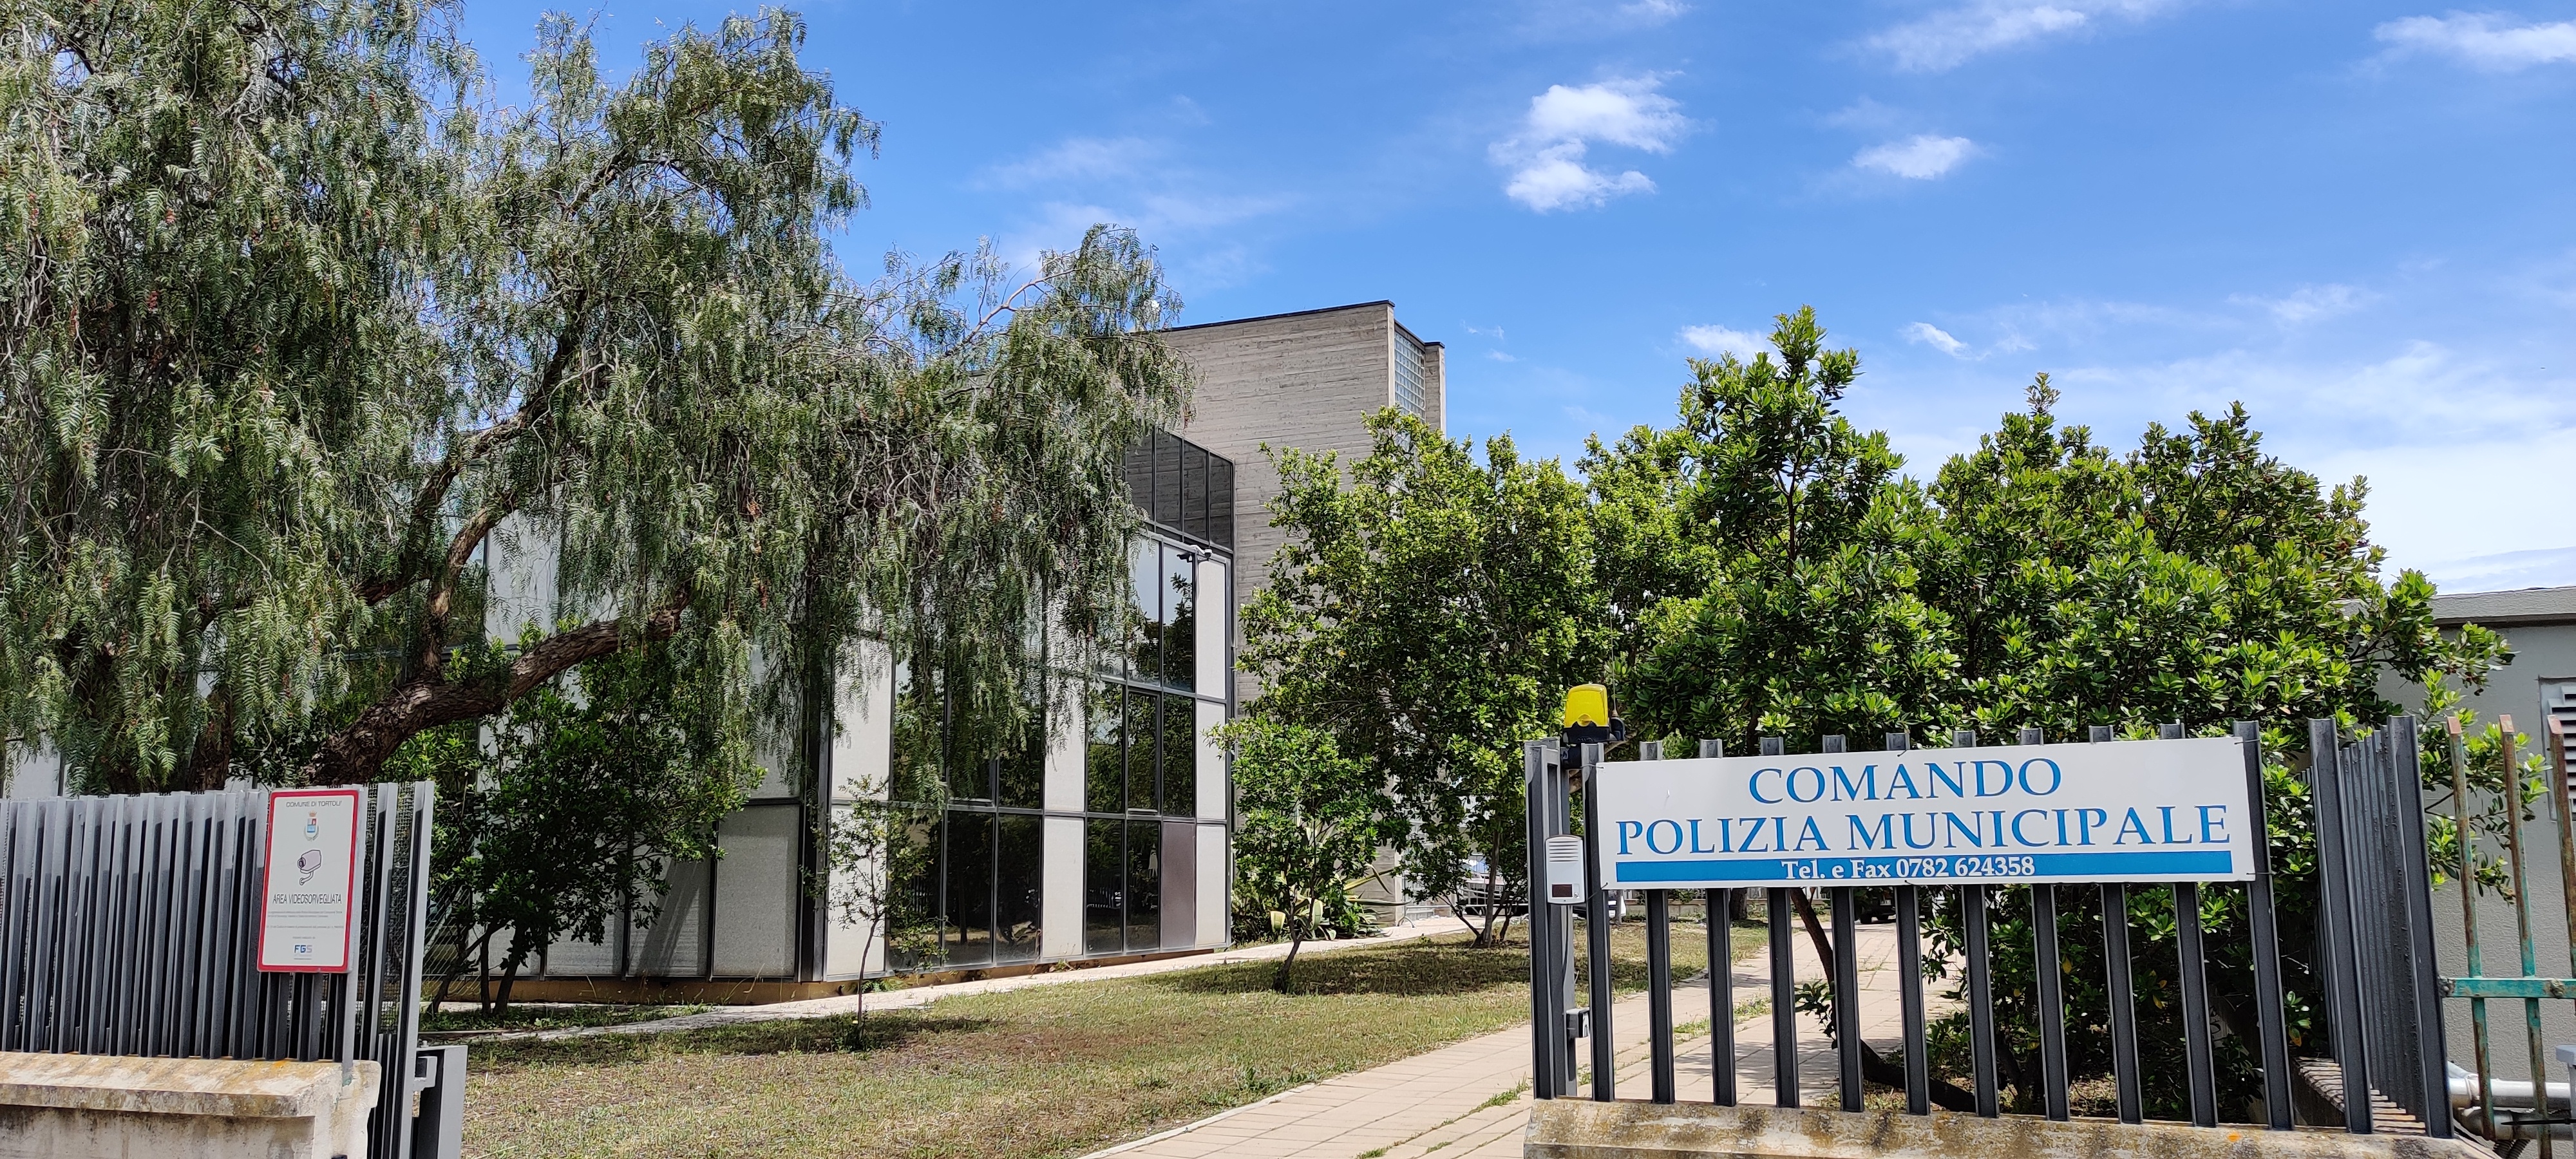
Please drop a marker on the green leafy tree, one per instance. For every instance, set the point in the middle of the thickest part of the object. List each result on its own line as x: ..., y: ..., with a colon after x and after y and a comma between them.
x: 299, y: 318
x: 1428, y: 615
x: 573, y: 806
x: 1309, y: 825
x: 1803, y: 538
x: 2039, y: 581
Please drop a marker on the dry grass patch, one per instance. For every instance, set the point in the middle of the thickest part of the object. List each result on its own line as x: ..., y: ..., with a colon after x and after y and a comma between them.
x: 1045, y: 1071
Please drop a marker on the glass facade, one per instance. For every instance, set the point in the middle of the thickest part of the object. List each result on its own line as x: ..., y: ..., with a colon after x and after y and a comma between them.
x: 1077, y: 834
x: 1137, y: 714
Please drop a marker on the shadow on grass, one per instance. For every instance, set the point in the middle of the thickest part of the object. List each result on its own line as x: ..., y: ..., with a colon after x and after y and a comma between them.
x: 545, y: 1016
x: 1409, y: 969
x: 893, y: 1028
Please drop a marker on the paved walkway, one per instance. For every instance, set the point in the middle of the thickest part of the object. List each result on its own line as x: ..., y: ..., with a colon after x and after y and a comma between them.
x: 925, y: 995
x: 1472, y: 1099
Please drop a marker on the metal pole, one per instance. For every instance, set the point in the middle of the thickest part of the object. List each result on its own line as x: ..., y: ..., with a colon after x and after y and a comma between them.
x: 2522, y: 924
x: 2469, y: 925
x: 1721, y: 978
x: 2270, y: 1018
x: 1981, y: 986
x: 1909, y: 980
x: 1547, y: 1021
x: 2342, y: 967
x: 2431, y: 1073
x: 1596, y: 921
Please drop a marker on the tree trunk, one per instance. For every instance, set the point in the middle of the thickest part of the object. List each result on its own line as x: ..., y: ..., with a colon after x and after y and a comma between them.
x: 1296, y: 939
x: 1873, y: 1068
x: 509, y: 978
x: 1493, y: 906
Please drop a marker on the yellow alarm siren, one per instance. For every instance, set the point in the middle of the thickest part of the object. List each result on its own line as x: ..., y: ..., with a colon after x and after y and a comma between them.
x: 1587, y: 716
x: 1587, y: 704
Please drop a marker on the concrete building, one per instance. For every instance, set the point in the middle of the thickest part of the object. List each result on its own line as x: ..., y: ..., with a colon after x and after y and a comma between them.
x: 1307, y: 380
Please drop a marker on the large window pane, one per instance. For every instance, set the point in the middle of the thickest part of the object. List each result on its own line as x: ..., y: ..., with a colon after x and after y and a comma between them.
x: 1144, y: 885
x: 1180, y: 619
x: 1180, y: 757
x: 1019, y: 875
x: 1104, y: 886
x: 1221, y: 502
x: 919, y: 721
x: 1145, y: 592
x: 912, y: 921
x: 1194, y: 482
x: 1104, y: 774
x: 1140, y: 750
x: 966, y: 931
x: 1022, y: 780
x: 1167, y: 479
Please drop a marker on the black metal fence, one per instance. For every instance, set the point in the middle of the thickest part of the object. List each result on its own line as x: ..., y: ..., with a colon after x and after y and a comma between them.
x: 2374, y: 958
x: 130, y: 925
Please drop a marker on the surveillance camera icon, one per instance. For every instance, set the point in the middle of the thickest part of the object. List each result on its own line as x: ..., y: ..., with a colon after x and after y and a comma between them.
x: 308, y: 865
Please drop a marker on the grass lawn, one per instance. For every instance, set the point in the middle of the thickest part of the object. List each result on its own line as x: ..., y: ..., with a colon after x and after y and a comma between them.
x: 1046, y: 1071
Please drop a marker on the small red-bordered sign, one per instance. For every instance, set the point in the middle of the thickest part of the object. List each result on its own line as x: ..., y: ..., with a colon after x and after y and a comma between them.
x: 310, y: 895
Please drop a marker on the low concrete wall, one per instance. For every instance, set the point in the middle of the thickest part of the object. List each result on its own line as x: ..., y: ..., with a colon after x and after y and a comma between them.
x: 1582, y: 1129
x: 87, y: 1106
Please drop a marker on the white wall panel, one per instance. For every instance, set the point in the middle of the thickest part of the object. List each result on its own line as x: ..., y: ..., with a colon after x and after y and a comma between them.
x: 863, y: 724
x: 1212, y: 883
x: 1064, y: 738
x: 674, y: 943
x: 1061, y: 936
x: 1214, y: 803
x: 756, y: 893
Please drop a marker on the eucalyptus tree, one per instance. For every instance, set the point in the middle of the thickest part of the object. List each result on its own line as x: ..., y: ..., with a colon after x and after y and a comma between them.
x: 1428, y: 613
x: 300, y: 318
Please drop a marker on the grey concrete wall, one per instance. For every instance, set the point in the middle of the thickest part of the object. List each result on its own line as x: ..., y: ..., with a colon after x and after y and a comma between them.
x: 2544, y: 653
x: 1308, y: 381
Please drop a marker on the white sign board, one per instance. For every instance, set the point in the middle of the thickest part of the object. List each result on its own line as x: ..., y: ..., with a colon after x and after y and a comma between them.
x: 2161, y: 810
x: 311, y: 889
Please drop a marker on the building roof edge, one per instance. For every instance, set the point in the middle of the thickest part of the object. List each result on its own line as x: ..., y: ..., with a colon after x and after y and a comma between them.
x: 1386, y: 302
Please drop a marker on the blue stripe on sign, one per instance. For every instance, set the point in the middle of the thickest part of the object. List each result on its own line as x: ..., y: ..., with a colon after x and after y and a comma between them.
x: 2003, y: 866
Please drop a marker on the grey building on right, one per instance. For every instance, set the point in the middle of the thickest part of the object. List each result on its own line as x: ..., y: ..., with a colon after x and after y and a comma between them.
x: 2540, y: 623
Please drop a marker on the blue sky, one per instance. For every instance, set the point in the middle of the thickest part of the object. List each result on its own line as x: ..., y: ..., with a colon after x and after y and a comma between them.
x: 2355, y: 217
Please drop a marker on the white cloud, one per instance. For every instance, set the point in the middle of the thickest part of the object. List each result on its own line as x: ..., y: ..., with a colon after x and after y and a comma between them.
x: 1653, y: 11
x: 1922, y: 157
x: 1724, y: 340
x: 1935, y: 337
x: 1138, y: 182
x: 1950, y: 38
x: 1079, y: 159
x: 1547, y: 158
x: 2482, y: 40
x: 2310, y: 303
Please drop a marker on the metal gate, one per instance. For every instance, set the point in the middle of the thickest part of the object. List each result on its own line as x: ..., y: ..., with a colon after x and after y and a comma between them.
x: 2374, y: 957
x: 130, y: 925
x: 2487, y: 1104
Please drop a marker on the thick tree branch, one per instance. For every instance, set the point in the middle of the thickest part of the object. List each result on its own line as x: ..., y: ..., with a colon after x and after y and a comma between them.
x: 355, y: 753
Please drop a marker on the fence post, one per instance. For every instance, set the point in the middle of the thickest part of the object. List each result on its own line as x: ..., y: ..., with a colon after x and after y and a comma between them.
x: 2342, y: 972
x: 2271, y: 1020
x: 1605, y: 1056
